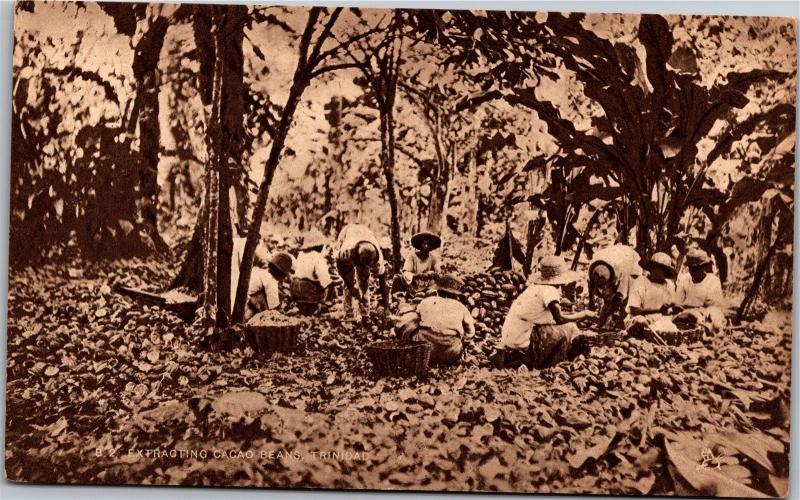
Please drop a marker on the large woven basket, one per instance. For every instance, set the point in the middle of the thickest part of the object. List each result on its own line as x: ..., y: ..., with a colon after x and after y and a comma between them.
x: 272, y: 338
x: 595, y: 339
x: 400, y: 359
x: 688, y: 336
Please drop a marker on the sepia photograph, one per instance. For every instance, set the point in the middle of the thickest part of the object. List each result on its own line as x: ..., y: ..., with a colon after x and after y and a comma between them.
x: 400, y: 249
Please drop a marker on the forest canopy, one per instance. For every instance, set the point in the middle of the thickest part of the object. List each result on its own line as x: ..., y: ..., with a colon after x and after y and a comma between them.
x: 593, y: 128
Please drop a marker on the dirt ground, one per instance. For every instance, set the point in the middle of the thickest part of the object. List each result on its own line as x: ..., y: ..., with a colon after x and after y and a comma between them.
x: 104, y: 390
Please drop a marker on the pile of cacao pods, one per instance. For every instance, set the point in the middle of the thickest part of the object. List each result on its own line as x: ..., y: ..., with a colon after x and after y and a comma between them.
x: 489, y: 296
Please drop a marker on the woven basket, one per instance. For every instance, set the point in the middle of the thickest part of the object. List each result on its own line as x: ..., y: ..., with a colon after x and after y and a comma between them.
x: 602, y: 339
x: 675, y: 338
x: 272, y: 338
x: 395, y: 359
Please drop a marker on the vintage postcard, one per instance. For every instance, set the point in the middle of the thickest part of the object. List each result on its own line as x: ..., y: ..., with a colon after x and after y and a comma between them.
x: 398, y: 249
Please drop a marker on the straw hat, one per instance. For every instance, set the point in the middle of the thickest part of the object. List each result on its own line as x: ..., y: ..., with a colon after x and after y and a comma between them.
x: 283, y: 263
x: 313, y: 239
x: 697, y: 257
x: 433, y: 240
x: 554, y: 271
x: 450, y: 284
x: 663, y: 261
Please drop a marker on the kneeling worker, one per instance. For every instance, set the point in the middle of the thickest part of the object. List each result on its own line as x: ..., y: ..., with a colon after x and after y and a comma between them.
x: 311, y: 276
x: 652, y: 296
x: 262, y: 292
x: 536, y: 333
x: 421, y: 262
x: 444, y: 321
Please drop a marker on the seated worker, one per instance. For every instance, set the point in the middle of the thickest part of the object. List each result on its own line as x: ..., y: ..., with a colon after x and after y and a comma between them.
x: 444, y: 321
x: 262, y: 292
x: 536, y: 332
x: 358, y: 255
x: 311, y: 275
x: 611, y: 273
x: 700, y: 293
x: 421, y: 262
x: 653, y: 295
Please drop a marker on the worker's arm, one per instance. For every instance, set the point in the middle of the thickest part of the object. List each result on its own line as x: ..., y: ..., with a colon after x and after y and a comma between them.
x: 408, y: 269
x: 469, y: 323
x: 437, y: 264
x: 384, y: 291
x: 561, y: 317
x: 271, y: 289
x: 322, y: 273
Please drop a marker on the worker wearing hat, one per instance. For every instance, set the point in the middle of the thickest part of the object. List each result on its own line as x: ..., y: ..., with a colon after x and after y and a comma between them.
x: 444, y: 321
x: 536, y: 332
x: 267, y: 272
x: 700, y: 293
x: 652, y: 296
x: 421, y: 262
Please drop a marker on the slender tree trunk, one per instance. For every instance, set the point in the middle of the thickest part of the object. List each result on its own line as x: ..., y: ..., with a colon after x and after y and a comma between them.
x: 387, y: 160
x: 480, y: 217
x: 212, y: 305
x: 534, y: 236
x: 753, y: 290
x: 145, y: 72
x: 333, y: 182
x: 190, y: 274
x: 470, y: 221
x: 439, y: 198
x: 301, y: 80
x: 228, y: 50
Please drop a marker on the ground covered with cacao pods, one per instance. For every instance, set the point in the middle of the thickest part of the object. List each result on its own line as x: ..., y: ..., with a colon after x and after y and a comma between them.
x: 104, y: 390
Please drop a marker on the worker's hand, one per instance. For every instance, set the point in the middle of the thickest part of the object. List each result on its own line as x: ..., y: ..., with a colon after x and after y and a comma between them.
x: 588, y: 314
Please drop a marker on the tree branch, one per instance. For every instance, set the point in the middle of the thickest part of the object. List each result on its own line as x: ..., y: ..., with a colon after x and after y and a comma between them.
x: 332, y: 67
x: 314, y: 59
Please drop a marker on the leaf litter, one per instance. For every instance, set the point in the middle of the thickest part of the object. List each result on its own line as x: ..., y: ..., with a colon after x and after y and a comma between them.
x: 632, y: 418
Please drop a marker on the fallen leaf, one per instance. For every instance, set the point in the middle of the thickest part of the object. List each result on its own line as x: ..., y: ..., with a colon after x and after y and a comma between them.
x: 491, y: 413
x: 781, y: 485
x: 580, y: 457
x: 490, y: 469
x: 705, y: 479
x: 746, y: 444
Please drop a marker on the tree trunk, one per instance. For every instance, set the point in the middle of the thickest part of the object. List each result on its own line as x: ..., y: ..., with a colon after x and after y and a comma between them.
x: 480, y: 218
x: 190, y: 274
x: 534, y: 236
x: 333, y: 181
x: 753, y: 290
x: 145, y: 73
x: 646, y: 222
x: 387, y: 160
x: 439, y: 199
x: 299, y: 84
x: 213, y: 306
x: 471, y: 216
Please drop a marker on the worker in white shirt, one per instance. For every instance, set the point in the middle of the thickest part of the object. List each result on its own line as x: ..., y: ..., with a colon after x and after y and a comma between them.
x: 444, y: 321
x: 611, y: 275
x: 311, y: 275
x: 700, y: 293
x: 267, y: 272
x: 358, y: 256
x: 536, y: 332
x: 422, y: 262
